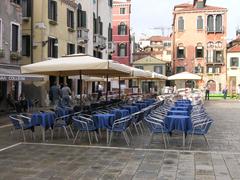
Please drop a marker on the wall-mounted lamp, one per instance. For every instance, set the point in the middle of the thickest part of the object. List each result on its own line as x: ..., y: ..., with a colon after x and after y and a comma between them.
x: 44, y: 42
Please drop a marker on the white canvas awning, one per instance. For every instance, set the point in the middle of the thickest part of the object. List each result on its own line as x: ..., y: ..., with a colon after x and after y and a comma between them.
x: 75, y: 65
x: 158, y: 76
x: 184, y: 76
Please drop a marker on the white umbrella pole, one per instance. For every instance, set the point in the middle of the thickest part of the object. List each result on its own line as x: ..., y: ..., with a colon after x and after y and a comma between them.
x: 107, y: 89
x: 119, y: 86
x: 80, y: 77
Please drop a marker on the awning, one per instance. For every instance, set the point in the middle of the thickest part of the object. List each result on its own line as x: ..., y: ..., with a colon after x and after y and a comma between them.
x: 12, y: 73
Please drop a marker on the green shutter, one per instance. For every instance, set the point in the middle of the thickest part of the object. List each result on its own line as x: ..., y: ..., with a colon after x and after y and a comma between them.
x: 83, y: 19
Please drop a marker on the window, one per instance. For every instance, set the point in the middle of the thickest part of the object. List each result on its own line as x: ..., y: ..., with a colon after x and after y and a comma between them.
x: 199, y: 69
x: 122, y: 50
x: 94, y: 24
x: 70, y: 19
x: 210, y: 24
x: 199, y: 50
x: 234, y: 61
x: 158, y: 69
x: 26, y: 45
x: 70, y: 48
x: 199, y: 23
x: 110, y: 3
x: 210, y: 44
x: 26, y: 8
x: 169, y: 52
x: 180, y: 24
x: 15, y: 38
x: 122, y: 29
x: 109, y: 32
x: 213, y: 69
x: 200, y: 5
x: 214, y: 56
x: 16, y: 1
x: 167, y: 44
x: 1, y: 30
x: 139, y: 67
x: 180, y: 69
x: 52, y: 10
x: 52, y: 47
x: 180, y: 52
x: 218, y: 23
x: 122, y: 10
x: 81, y: 17
x: 81, y: 49
x: 100, y: 26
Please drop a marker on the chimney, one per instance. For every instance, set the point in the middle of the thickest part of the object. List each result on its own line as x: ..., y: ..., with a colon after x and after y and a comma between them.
x: 238, y: 33
x: 199, y: 3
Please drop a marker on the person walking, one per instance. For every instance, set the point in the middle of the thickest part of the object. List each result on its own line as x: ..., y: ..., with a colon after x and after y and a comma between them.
x: 207, y: 92
x: 66, y: 93
x: 55, y: 94
x: 225, y: 91
x: 100, y: 89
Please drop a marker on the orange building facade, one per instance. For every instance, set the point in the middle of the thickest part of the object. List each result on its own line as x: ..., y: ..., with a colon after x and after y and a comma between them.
x: 199, y: 42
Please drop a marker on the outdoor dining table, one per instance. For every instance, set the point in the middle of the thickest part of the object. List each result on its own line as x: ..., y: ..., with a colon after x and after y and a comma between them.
x: 131, y: 109
x: 119, y: 113
x: 179, y: 122
x: 182, y: 103
x: 140, y: 105
x: 175, y: 112
x: 180, y: 108
x: 103, y: 121
x: 44, y: 119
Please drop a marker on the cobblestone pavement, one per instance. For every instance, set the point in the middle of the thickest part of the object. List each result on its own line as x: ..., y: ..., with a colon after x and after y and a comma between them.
x: 144, y: 159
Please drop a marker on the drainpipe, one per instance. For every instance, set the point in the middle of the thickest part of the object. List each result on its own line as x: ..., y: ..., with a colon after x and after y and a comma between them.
x: 32, y: 24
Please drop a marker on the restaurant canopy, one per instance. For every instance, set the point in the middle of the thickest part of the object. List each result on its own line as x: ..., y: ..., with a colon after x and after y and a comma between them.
x: 76, y: 65
x: 158, y: 76
x: 184, y: 76
x: 12, y: 73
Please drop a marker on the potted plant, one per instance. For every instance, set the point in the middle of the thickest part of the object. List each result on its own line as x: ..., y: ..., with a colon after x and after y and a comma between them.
x: 2, y: 53
x: 15, y: 56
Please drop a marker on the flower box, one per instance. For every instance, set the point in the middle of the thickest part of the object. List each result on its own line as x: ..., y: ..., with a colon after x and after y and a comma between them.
x: 15, y: 56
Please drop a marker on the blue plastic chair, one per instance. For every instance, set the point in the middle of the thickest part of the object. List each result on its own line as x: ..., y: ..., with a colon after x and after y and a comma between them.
x: 156, y: 126
x: 85, y: 125
x: 22, y: 125
x: 200, y: 128
x: 120, y: 126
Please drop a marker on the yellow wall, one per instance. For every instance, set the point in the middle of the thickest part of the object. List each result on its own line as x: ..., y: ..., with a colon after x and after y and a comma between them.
x: 59, y: 31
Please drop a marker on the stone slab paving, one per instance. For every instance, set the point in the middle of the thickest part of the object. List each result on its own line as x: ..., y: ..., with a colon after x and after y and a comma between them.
x: 144, y: 159
x: 46, y: 161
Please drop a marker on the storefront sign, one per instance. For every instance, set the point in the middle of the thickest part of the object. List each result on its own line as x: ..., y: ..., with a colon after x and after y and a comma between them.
x: 12, y: 78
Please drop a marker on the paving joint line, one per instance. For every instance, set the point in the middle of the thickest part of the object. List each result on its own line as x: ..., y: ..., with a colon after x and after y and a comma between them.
x: 9, y: 147
x: 129, y: 148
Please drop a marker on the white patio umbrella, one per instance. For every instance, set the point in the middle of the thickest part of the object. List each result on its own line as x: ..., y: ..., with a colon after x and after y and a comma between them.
x: 184, y: 76
x: 77, y: 64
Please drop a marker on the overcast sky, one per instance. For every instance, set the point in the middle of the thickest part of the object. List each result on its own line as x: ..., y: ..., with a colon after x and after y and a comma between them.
x: 147, y: 14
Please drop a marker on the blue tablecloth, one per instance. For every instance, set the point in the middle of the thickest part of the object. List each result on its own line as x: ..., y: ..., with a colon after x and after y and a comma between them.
x: 182, y: 103
x: 63, y: 111
x: 174, y: 112
x: 178, y: 122
x: 131, y: 109
x: 184, y: 100
x: 103, y: 120
x: 140, y: 105
x: 44, y: 119
x: 119, y: 113
x: 179, y: 108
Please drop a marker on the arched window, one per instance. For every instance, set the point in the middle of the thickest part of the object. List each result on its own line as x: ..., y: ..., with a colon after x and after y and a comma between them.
x: 122, y: 29
x: 218, y: 23
x: 180, y: 24
x: 199, y: 51
x: 210, y: 24
x: 180, y: 51
x: 109, y: 32
x: 81, y: 17
x: 122, y: 50
x: 94, y: 24
x: 199, y: 22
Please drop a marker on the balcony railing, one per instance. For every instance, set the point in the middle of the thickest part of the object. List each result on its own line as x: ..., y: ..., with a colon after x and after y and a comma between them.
x: 111, y: 47
x: 82, y: 35
x: 99, y: 41
x: 215, y: 61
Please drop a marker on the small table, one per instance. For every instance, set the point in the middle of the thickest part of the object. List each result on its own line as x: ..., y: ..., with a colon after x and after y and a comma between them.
x: 175, y: 112
x: 131, y: 109
x: 179, y: 122
x: 43, y: 119
x: 119, y: 113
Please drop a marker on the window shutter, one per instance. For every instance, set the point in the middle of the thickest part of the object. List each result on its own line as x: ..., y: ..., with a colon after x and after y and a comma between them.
x: 55, y: 10
x: 68, y: 18
x: 49, y: 47
x: 49, y: 9
x: 126, y: 48
x: 196, y: 52
x: 119, y: 29
x: 118, y: 49
x: 203, y: 52
x: 214, y: 56
x: 84, y: 19
x: 28, y: 46
x: 55, y: 48
x: 126, y: 29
